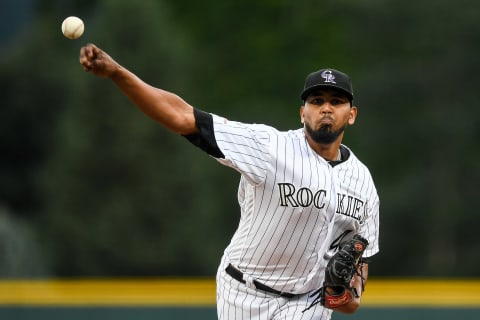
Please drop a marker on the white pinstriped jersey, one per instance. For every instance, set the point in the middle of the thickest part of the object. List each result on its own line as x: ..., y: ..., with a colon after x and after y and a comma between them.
x: 288, y: 196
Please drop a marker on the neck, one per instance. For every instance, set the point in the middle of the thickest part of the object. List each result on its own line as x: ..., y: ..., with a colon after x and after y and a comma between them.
x: 329, y: 151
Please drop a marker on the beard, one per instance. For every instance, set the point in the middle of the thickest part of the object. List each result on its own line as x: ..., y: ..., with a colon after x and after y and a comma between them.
x: 324, y: 135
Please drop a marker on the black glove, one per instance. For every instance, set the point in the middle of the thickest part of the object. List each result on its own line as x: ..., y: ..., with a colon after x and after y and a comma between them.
x: 337, y: 290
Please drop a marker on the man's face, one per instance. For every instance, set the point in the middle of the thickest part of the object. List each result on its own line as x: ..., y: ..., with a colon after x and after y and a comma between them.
x: 325, y: 115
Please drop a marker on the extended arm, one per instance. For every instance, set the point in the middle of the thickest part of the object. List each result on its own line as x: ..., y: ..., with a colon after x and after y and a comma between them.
x: 165, y: 107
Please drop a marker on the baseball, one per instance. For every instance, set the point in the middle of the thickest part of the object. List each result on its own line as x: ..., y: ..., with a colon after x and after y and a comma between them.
x: 72, y: 27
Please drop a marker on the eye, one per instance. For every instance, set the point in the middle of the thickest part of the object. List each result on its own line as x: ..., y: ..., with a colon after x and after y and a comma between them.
x: 317, y: 101
x: 338, y: 101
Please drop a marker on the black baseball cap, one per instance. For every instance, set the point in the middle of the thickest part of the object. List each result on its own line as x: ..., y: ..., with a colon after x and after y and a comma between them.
x: 329, y: 78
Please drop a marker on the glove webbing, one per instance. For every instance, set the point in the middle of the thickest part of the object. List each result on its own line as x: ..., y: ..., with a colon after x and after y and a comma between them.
x: 321, y: 292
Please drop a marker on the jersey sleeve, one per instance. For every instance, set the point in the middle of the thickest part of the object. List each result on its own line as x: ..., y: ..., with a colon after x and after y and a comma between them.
x: 246, y: 147
x: 243, y: 147
x: 205, y: 138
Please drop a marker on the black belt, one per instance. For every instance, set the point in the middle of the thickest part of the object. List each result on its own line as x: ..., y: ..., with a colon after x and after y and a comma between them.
x: 238, y: 275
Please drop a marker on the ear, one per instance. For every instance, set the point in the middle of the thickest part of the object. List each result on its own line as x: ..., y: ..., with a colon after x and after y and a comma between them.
x: 301, y: 113
x: 353, y: 115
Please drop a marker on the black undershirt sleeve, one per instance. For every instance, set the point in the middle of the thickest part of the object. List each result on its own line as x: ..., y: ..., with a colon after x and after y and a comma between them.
x: 205, y: 138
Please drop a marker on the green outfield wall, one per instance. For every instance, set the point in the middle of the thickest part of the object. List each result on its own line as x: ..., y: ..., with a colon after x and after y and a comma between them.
x: 185, y: 299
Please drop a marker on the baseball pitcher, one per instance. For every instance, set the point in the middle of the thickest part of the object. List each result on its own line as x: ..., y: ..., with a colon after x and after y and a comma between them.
x: 309, y: 209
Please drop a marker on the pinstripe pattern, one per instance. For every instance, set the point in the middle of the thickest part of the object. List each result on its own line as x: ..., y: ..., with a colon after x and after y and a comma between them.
x: 235, y: 301
x: 295, y: 210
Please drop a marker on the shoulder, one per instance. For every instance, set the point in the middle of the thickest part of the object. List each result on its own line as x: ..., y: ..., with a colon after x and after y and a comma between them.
x: 358, y: 167
x: 257, y: 129
x: 355, y: 161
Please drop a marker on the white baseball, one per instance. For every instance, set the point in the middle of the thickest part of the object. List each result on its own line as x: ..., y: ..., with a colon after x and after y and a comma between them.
x: 72, y: 27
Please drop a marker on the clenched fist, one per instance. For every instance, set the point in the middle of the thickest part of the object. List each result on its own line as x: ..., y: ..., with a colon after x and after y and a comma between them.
x: 97, y: 61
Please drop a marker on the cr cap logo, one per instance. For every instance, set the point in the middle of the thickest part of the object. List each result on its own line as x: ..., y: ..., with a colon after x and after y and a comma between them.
x: 328, y: 76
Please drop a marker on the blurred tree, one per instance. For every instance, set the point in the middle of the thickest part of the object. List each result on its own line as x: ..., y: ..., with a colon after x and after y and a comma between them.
x: 416, y: 81
x: 20, y: 253
x: 121, y: 200
x: 109, y: 192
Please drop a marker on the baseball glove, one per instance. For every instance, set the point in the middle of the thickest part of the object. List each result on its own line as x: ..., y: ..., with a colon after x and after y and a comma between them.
x: 339, y: 273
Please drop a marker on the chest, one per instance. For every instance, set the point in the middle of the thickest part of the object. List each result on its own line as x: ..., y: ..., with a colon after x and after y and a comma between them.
x: 306, y: 182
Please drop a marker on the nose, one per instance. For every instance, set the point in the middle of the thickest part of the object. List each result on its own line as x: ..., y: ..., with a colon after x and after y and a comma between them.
x: 326, y: 107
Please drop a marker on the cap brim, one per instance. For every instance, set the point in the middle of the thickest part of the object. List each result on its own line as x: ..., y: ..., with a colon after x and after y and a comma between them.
x: 309, y: 90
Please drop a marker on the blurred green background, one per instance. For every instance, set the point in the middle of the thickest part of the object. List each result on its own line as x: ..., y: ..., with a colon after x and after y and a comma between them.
x: 91, y: 187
